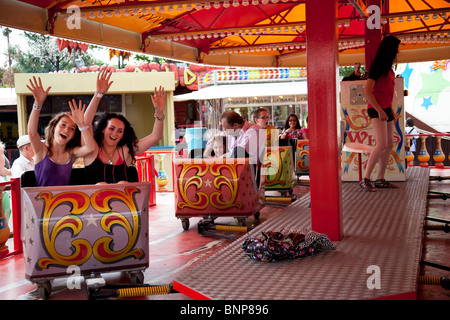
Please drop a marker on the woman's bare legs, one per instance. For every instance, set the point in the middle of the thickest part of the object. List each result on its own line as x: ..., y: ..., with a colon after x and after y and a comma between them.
x: 384, y: 135
x: 386, y: 154
x: 381, y: 135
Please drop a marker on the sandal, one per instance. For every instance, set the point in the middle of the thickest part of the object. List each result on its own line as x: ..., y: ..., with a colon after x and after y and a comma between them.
x: 366, y: 185
x: 381, y: 183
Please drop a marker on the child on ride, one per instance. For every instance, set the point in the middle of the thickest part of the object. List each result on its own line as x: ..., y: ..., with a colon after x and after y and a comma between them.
x: 220, y: 146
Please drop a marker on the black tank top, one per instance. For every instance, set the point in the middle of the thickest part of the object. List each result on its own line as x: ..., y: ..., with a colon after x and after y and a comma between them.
x: 98, y: 171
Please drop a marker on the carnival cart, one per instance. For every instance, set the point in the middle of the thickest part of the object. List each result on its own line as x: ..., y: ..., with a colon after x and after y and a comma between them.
x: 84, y: 230
x: 212, y: 188
x: 279, y: 170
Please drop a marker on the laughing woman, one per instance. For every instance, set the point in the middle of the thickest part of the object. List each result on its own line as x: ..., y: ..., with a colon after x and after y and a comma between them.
x: 54, y: 158
x: 117, y: 145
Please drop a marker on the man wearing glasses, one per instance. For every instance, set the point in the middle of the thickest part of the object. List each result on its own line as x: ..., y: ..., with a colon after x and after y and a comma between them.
x: 261, y: 118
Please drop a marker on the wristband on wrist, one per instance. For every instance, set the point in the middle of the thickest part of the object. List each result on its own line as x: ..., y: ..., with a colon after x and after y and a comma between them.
x: 35, y: 106
x: 98, y: 95
x: 160, y: 119
x: 83, y: 128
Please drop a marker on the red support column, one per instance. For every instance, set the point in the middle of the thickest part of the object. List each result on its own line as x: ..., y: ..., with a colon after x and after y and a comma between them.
x: 325, y: 167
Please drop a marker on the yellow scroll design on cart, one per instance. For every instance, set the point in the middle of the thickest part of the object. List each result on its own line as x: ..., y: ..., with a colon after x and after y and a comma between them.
x: 195, y: 181
x: 103, y: 247
x: 219, y: 180
x: 81, y: 248
x: 302, y: 156
x: 215, y: 198
x: 272, y: 166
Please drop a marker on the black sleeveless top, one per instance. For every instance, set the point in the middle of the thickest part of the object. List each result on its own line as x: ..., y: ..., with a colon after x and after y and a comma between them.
x: 98, y: 171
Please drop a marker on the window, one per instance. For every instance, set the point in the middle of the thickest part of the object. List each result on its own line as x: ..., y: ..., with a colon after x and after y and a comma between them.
x: 60, y: 103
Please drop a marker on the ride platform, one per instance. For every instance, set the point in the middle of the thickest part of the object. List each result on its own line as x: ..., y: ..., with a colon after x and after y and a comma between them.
x: 378, y: 257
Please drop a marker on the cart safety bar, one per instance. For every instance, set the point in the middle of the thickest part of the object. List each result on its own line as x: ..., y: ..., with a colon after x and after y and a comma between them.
x: 206, y: 225
x: 143, y: 291
x: 442, y: 281
x: 445, y: 227
x: 437, y: 220
x: 438, y: 194
x: 438, y: 178
x: 434, y: 265
x: 279, y: 199
x: 231, y: 228
x: 126, y: 291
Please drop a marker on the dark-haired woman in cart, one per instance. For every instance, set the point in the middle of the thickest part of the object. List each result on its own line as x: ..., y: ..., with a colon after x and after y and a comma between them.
x: 113, y: 159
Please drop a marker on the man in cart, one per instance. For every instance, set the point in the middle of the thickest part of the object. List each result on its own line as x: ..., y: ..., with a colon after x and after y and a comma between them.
x: 242, y: 136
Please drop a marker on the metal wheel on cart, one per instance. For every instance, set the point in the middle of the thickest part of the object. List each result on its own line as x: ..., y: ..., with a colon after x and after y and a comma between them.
x: 185, y: 223
x: 242, y: 221
x: 285, y: 193
x: 137, y: 277
x: 44, y: 289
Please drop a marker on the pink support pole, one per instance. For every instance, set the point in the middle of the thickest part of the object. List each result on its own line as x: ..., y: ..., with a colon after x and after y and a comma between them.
x: 16, y: 204
x: 146, y: 173
x: 325, y: 167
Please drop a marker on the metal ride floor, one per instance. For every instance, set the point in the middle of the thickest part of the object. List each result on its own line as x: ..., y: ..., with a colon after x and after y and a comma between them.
x: 383, y: 234
x: 370, y: 238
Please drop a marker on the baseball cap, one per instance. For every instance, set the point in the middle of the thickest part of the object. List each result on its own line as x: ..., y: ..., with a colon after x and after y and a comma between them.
x: 23, y: 140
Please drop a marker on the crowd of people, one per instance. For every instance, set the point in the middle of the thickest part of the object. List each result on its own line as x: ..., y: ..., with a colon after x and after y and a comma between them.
x: 109, y: 145
x: 240, y: 138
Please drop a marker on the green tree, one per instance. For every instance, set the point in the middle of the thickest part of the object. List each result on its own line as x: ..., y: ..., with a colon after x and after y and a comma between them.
x: 142, y: 58
x: 6, y: 32
x: 43, y: 56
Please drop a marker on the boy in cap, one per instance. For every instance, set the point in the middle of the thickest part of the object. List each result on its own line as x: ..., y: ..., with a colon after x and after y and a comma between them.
x: 25, y: 161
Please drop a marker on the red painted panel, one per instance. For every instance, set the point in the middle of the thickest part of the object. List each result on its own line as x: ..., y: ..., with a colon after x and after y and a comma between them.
x: 234, y: 16
x: 40, y: 3
x: 188, y: 291
x: 401, y: 296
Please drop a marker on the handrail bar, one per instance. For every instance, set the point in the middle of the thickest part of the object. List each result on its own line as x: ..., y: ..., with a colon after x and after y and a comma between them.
x: 16, y: 214
x: 428, y: 135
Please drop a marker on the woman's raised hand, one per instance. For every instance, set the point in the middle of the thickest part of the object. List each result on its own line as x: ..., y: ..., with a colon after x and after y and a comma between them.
x: 159, y: 101
x: 38, y: 91
x: 103, y: 82
x: 77, y: 112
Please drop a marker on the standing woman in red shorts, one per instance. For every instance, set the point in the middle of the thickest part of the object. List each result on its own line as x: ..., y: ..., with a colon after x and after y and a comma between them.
x: 379, y: 93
